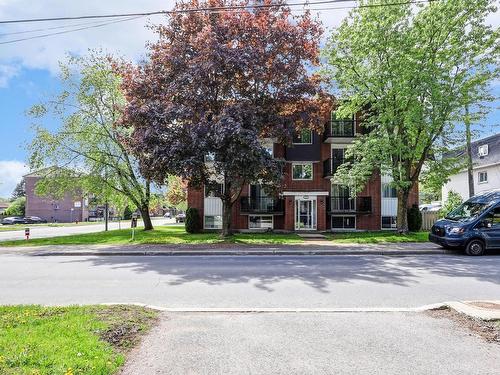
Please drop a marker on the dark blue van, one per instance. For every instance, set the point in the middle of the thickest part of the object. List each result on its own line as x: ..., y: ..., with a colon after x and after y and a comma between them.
x: 473, y: 226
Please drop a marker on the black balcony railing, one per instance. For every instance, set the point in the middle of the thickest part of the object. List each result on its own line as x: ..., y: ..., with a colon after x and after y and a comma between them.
x: 339, y: 128
x: 346, y: 204
x: 261, y: 205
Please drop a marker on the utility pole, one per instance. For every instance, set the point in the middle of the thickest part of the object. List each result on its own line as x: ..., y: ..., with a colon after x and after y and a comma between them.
x: 468, y: 147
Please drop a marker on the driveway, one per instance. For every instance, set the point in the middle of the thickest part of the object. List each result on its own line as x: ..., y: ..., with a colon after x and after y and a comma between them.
x: 46, y: 231
x: 328, y: 343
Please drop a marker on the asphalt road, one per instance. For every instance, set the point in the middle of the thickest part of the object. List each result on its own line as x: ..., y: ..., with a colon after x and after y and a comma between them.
x: 249, y: 281
x: 46, y: 231
x: 328, y: 343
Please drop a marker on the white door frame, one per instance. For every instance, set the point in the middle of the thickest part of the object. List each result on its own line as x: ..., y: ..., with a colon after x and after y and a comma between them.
x: 313, y: 212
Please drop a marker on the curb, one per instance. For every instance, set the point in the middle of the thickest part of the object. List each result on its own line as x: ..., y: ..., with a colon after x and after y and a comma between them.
x: 246, y: 253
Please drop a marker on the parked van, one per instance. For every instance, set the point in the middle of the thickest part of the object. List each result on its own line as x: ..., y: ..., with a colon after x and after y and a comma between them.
x: 473, y: 226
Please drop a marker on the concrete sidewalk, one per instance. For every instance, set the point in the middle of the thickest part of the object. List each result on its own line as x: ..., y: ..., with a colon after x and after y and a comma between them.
x: 308, y: 248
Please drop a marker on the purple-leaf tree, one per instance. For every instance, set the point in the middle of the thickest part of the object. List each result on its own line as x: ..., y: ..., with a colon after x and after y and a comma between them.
x: 217, y: 83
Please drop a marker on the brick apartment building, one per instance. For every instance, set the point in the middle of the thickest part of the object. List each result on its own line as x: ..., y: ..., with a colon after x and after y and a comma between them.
x: 309, y: 200
x: 67, y: 209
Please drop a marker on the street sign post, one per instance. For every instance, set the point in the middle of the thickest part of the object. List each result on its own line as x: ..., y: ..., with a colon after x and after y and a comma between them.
x: 134, y: 224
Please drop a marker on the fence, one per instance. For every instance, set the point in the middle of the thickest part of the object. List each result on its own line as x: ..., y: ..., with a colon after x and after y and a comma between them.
x: 428, y: 220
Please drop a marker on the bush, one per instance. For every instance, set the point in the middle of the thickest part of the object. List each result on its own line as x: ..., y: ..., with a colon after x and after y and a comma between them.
x: 414, y: 219
x: 192, y: 220
x: 453, y: 201
x: 127, y: 213
x: 17, y: 207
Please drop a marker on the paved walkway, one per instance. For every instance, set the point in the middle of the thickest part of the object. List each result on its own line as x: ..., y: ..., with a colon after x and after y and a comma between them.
x: 307, y: 248
x: 306, y: 343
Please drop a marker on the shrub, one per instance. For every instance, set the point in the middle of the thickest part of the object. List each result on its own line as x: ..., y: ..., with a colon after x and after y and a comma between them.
x: 17, y: 207
x: 453, y: 201
x: 127, y: 213
x: 414, y: 219
x: 192, y: 220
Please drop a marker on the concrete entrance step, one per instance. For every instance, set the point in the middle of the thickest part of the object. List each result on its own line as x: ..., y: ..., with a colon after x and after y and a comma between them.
x: 312, y: 236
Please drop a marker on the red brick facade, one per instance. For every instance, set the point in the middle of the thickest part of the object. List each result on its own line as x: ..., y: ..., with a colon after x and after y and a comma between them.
x: 318, y: 189
x: 64, y: 210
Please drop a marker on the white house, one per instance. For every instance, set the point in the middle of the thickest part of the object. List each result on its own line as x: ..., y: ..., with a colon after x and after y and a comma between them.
x: 486, y: 168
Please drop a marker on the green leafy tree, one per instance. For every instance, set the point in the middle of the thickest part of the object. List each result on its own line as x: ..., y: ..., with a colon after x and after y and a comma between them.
x: 87, y: 149
x: 177, y: 192
x: 19, y: 190
x: 17, y: 207
x: 452, y: 201
x: 409, y: 68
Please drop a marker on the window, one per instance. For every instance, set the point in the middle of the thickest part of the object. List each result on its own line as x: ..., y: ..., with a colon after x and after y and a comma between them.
x: 213, y: 190
x: 389, y: 222
x: 341, y: 127
x: 483, y: 177
x: 388, y: 191
x: 338, y: 158
x: 494, y: 217
x: 213, y: 222
x: 269, y: 147
x: 482, y: 150
x: 302, y: 171
x: 343, y: 222
x: 260, y: 222
x: 303, y: 137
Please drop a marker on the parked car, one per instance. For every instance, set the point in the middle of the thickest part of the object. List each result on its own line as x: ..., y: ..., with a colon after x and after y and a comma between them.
x: 13, y: 220
x: 34, y: 220
x: 167, y: 215
x: 180, y: 218
x: 431, y: 207
x: 473, y: 226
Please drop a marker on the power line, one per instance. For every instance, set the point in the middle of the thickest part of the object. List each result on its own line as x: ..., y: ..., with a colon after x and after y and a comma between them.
x: 51, y: 28
x: 69, y: 31
x: 212, y: 10
x: 209, y: 9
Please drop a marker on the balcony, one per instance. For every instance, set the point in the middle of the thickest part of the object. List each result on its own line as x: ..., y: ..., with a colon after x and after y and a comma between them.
x: 330, y: 167
x: 338, y: 129
x: 261, y: 205
x: 358, y: 205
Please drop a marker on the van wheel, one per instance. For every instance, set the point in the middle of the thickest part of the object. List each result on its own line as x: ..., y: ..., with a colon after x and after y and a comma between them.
x: 475, y: 248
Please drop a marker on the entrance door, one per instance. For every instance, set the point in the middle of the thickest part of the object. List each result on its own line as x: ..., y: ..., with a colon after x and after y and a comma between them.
x: 305, y: 214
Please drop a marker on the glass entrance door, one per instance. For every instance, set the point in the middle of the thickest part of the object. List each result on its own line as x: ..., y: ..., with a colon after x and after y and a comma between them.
x: 305, y: 214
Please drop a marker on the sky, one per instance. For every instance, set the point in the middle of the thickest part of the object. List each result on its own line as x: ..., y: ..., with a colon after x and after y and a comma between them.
x: 29, y: 69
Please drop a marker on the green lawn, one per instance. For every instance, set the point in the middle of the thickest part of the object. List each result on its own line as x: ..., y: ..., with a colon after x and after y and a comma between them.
x: 378, y: 237
x: 161, y: 235
x: 37, y: 340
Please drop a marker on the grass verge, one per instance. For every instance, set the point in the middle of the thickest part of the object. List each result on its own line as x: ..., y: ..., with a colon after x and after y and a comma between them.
x: 378, y: 237
x: 161, y: 235
x: 72, y: 340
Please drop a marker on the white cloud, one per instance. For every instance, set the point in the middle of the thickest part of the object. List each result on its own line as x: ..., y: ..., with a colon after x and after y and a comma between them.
x: 6, y: 73
x: 126, y: 38
x: 11, y: 172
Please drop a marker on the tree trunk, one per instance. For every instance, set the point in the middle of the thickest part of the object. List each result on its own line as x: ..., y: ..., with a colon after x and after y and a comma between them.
x: 470, y: 175
x: 402, y: 219
x: 227, y: 210
x: 146, y: 219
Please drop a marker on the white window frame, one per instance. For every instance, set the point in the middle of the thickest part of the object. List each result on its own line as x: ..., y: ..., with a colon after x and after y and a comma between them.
x: 343, y: 229
x: 304, y: 143
x: 392, y: 227
x: 482, y: 173
x: 264, y: 228
x: 205, y: 224
x: 304, y: 179
x: 482, y: 150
